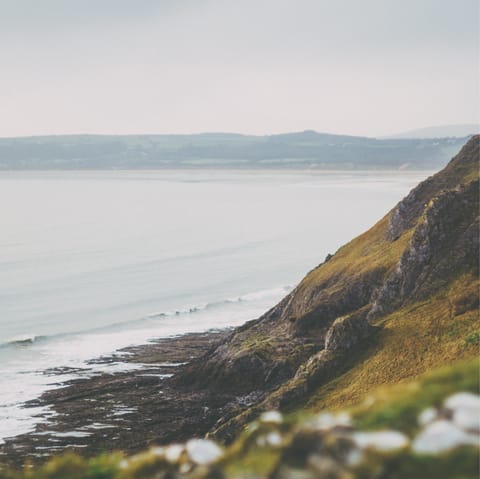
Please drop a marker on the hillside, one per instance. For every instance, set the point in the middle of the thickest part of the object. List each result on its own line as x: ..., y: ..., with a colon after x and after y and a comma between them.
x: 307, y: 149
x: 395, y: 302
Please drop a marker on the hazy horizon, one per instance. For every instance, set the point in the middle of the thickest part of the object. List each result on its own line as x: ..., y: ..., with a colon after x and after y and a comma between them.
x: 119, y: 67
x: 459, y: 130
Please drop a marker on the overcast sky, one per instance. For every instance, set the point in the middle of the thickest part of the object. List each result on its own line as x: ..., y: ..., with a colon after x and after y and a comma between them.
x: 369, y: 67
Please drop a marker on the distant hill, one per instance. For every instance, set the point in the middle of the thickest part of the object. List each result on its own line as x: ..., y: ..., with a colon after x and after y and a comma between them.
x: 441, y: 131
x: 305, y: 150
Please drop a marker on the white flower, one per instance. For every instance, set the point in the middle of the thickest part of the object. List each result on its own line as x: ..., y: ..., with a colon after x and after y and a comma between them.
x: 203, y: 451
x: 440, y: 436
x: 326, y: 421
x: 383, y: 441
x: 428, y: 415
x: 272, y: 417
x: 173, y: 453
x: 463, y: 401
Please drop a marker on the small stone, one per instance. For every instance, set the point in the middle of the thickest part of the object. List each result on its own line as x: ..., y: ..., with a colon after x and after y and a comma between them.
x: 441, y: 436
x: 173, y: 453
x: 427, y: 416
x: 271, y: 417
x: 203, y: 451
x: 382, y: 441
x: 462, y: 401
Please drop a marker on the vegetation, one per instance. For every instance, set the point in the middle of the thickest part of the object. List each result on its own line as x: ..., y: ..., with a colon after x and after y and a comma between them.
x: 306, y: 149
x: 416, y: 339
x: 398, y: 406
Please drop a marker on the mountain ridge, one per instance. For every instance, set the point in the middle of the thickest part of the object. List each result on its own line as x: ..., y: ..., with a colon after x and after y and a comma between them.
x: 305, y: 150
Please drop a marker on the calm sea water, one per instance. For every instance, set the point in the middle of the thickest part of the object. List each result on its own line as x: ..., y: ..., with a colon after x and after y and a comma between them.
x: 91, y: 262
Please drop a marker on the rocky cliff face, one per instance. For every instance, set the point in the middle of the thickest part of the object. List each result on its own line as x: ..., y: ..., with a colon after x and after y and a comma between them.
x: 417, y: 255
x: 444, y: 243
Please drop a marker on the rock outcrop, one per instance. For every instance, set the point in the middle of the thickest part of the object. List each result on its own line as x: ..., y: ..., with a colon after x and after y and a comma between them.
x: 444, y: 242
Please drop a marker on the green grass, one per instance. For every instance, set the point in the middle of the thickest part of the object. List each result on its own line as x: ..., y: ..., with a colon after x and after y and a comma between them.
x: 398, y: 406
x: 461, y: 463
x: 412, y: 341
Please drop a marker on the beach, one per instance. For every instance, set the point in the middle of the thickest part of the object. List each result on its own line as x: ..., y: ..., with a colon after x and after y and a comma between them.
x: 128, y: 410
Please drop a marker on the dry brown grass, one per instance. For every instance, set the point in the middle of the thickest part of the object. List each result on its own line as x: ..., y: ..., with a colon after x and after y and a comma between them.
x: 413, y: 340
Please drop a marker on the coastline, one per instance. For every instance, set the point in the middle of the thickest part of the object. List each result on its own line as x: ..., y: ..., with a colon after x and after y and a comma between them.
x: 126, y: 410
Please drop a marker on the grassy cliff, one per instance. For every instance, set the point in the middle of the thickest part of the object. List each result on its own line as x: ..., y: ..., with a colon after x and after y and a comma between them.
x: 397, y: 301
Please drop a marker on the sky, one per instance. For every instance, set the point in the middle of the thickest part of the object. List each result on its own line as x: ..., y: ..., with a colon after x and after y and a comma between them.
x: 370, y: 67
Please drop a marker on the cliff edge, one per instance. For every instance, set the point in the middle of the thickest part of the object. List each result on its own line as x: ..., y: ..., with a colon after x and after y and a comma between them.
x: 396, y: 301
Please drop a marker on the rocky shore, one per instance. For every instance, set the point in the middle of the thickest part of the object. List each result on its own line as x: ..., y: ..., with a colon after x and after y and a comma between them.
x: 128, y: 410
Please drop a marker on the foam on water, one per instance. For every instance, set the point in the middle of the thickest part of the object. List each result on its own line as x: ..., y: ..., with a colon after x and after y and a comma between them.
x: 39, y: 366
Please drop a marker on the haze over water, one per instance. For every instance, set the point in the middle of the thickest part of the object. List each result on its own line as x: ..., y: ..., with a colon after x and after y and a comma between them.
x: 94, y: 261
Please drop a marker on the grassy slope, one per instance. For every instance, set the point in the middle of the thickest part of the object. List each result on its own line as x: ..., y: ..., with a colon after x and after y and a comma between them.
x: 416, y: 338
x: 390, y: 407
x: 413, y: 340
x: 398, y: 406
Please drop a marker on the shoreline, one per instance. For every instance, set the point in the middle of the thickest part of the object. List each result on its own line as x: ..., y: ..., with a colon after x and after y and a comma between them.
x: 126, y: 410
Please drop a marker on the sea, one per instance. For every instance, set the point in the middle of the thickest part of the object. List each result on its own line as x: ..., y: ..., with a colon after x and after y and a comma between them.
x: 95, y: 261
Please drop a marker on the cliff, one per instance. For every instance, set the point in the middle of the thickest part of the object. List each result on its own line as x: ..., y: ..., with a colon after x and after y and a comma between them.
x: 396, y: 301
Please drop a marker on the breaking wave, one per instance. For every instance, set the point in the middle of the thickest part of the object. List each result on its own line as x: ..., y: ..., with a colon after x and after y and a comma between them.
x: 255, y: 296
